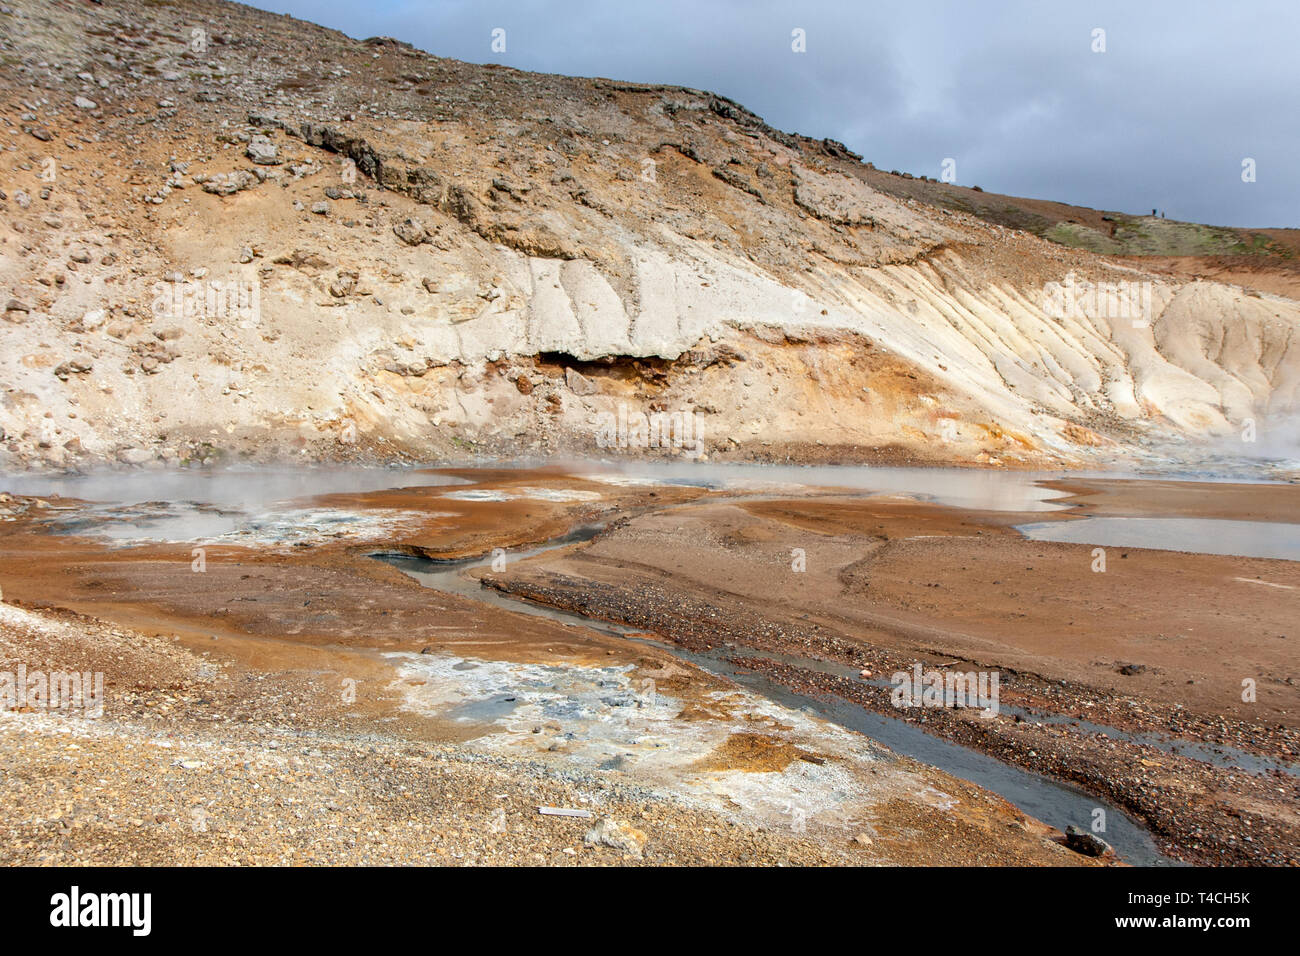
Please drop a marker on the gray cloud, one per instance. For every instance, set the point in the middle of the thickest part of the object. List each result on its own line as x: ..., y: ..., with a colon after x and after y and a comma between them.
x: 1014, y: 93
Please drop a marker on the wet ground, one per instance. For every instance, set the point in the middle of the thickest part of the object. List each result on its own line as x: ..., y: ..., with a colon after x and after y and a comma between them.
x: 725, y: 635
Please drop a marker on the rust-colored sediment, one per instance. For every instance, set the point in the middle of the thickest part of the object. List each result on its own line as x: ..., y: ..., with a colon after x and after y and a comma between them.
x: 887, y: 581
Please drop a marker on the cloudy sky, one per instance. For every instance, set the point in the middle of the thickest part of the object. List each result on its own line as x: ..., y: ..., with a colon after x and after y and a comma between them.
x: 1183, y: 93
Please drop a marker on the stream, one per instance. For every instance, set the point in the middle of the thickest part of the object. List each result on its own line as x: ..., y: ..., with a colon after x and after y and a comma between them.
x: 249, y: 505
x: 1055, y: 803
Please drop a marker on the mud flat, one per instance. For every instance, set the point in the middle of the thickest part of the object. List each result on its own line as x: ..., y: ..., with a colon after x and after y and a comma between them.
x: 1127, y: 681
x: 641, y: 642
x: 274, y: 694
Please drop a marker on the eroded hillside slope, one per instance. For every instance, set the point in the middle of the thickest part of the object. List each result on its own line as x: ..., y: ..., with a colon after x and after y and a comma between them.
x: 226, y: 233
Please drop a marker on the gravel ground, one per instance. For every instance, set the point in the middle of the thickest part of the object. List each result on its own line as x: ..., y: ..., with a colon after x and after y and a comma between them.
x: 186, y: 767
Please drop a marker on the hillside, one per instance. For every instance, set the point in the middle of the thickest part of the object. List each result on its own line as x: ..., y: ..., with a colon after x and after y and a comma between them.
x: 228, y: 234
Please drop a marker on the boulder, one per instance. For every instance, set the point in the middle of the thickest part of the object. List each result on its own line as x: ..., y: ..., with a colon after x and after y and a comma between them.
x: 135, y: 456
x: 1081, y: 841
x: 227, y: 184
x: 263, y: 152
x: 617, y: 835
x: 411, y: 231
